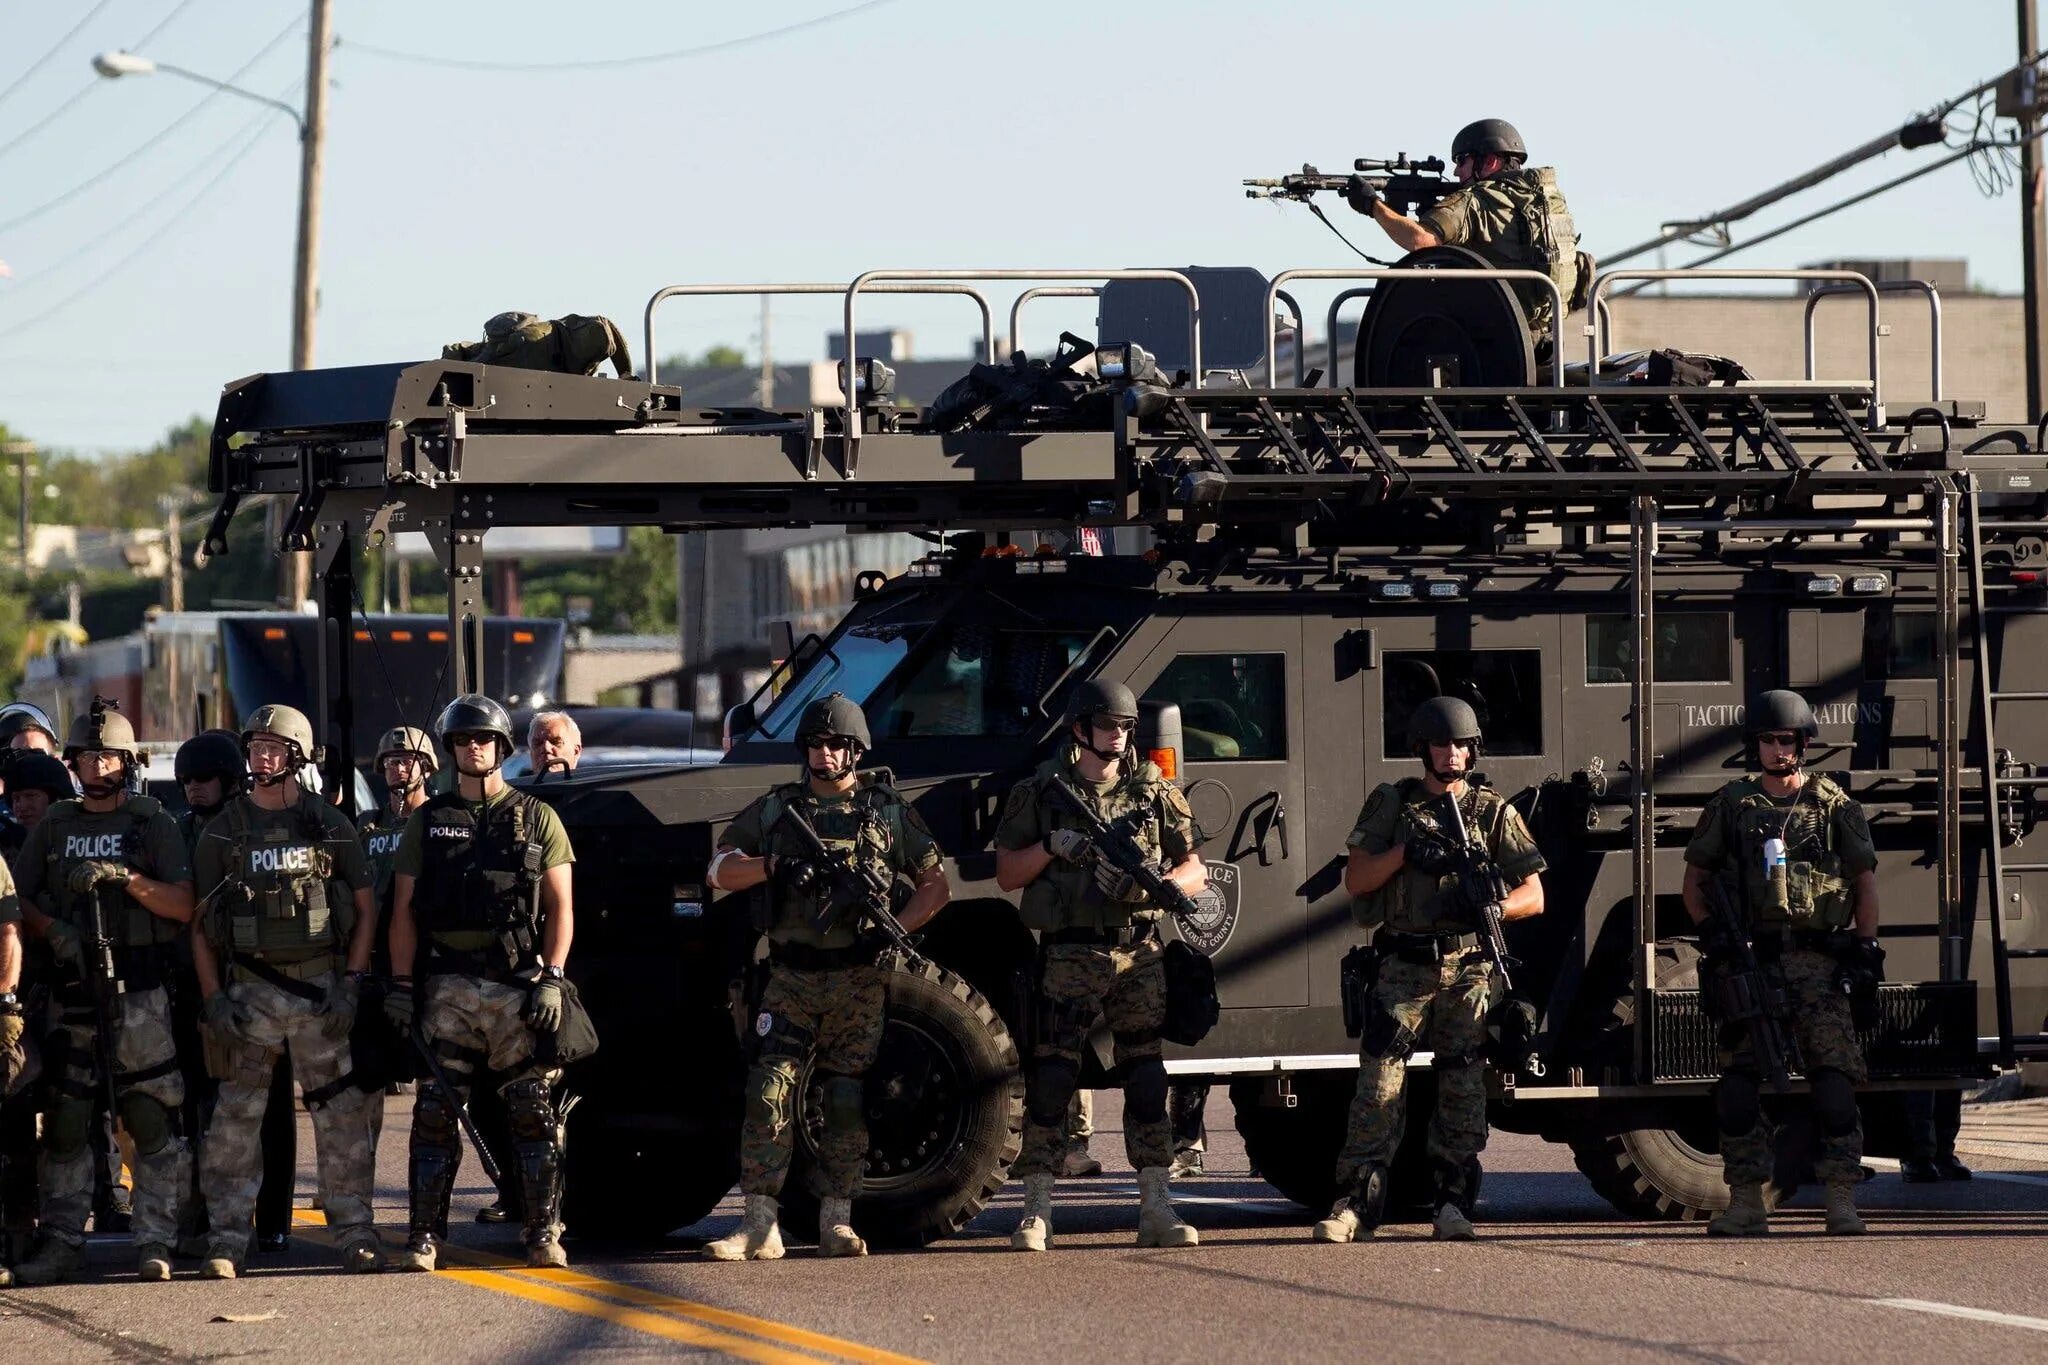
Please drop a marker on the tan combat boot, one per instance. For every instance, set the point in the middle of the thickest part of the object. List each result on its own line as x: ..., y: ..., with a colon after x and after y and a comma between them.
x: 757, y: 1238
x: 1745, y: 1215
x: 836, y: 1236
x: 1341, y: 1226
x: 420, y: 1252
x: 1451, y: 1225
x: 153, y: 1261
x: 1843, y: 1220
x: 1158, y: 1224
x: 1034, y: 1230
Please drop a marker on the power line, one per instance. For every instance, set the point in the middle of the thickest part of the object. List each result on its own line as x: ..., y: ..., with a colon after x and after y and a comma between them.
x: 95, y: 83
x: 609, y: 63
x: 39, y: 63
x: 146, y: 39
x: 82, y: 186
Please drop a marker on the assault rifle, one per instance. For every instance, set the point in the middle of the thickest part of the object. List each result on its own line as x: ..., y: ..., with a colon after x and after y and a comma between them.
x: 850, y: 885
x: 1412, y: 185
x: 1116, y: 847
x: 104, y: 984
x: 1485, y: 887
x: 1741, y: 993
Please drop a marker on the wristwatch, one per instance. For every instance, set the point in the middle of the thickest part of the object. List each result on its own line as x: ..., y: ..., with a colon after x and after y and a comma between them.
x: 10, y: 1003
x: 551, y: 973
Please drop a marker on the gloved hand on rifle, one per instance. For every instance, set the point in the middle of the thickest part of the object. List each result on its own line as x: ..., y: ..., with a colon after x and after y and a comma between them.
x: 1427, y: 851
x: 1117, y: 885
x: 544, y: 1006
x: 338, y: 1011
x: 1362, y: 194
x: 1479, y: 888
x: 88, y: 876
x: 398, y: 1004
x: 220, y: 1013
x: 67, y: 944
x: 794, y: 873
x: 11, y: 1026
x: 1717, y: 942
x: 1859, y: 974
x: 1068, y: 845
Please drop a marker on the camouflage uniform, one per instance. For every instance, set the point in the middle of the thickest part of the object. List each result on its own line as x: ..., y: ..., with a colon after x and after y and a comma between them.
x: 1096, y: 958
x: 380, y: 838
x: 279, y: 909
x: 1517, y: 220
x: 1434, y: 982
x: 148, y: 1087
x: 1797, y: 936
x: 825, y: 999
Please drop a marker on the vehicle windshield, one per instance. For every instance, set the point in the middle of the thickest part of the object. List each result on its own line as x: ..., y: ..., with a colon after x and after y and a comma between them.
x: 920, y: 672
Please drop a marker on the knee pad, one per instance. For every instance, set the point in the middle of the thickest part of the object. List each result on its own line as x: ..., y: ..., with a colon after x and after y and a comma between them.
x: 528, y: 1112
x: 148, y: 1123
x: 842, y: 1096
x: 1145, y: 1090
x: 67, y: 1127
x: 1834, y: 1102
x: 768, y: 1096
x: 1385, y: 1038
x: 1051, y: 1090
x: 1738, y: 1102
x: 434, y: 1125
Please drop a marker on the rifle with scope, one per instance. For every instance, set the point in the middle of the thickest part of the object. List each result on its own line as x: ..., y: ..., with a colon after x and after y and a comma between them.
x: 1404, y: 183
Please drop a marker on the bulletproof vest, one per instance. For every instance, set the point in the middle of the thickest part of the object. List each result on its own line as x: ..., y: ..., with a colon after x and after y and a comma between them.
x: 380, y: 852
x: 869, y: 823
x: 72, y: 841
x: 1065, y: 896
x: 1814, y: 891
x: 481, y: 872
x: 1418, y: 902
x: 1532, y: 230
x: 277, y: 897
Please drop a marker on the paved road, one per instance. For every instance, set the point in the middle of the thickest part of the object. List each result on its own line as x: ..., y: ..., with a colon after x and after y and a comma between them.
x: 1951, y: 1273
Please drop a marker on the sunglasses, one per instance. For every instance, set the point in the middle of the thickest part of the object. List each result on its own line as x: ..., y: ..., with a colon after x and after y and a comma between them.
x: 1115, y: 723
x: 1782, y: 739
x: 828, y: 742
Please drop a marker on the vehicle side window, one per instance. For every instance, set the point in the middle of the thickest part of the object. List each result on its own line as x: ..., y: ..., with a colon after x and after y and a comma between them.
x: 1232, y: 706
x: 978, y: 679
x: 1505, y: 686
x: 1909, y: 647
x: 1692, y: 646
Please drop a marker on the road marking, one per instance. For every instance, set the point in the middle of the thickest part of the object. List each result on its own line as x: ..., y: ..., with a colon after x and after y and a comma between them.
x: 671, y: 1318
x: 1952, y: 1310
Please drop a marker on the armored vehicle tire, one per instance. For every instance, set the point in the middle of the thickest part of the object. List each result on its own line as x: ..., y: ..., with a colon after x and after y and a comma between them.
x: 622, y: 1190
x: 945, y: 1114
x: 1667, y: 1173
x: 1295, y: 1150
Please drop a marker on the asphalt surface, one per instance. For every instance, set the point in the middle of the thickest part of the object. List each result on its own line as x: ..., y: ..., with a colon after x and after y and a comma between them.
x: 1950, y: 1272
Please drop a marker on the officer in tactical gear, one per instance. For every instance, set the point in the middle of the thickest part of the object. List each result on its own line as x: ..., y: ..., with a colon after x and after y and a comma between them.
x: 405, y: 760
x: 282, y: 948
x: 1100, y: 954
x: 24, y: 725
x: 481, y: 901
x: 1512, y: 215
x: 825, y: 993
x: 35, y: 782
x: 17, y: 1123
x: 104, y: 881
x: 1434, y: 982
x: 1794, y: 855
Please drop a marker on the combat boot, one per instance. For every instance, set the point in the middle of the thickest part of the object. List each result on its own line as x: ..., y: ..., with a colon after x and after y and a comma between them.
x: 1187, y: 1161
x: 153, y: 1261
x: 1078, y: 1161
x: 757, y: 1238
x: 836, y: 1236
x: 1745, y: 1215
x: 218, y: 1268
x: 420, y: 1253
x: 55, y: 1261
x: 1843, y: 1220
x: 1359, y: 1211
x: 1158, y: 1224
x: 1341, y: 1226
x: 1034, y: 1230
x: 1451, y: 1225
x: 360, y: 1254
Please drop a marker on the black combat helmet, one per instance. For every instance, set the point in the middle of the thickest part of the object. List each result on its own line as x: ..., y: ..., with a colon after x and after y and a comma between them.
x: 212, y: 754
x: 39, y: 772
x: 475, y: 714
x: 835, y: 716
x: 1442, y: 720
x: 1780, y: 709
x: 1101, y: 697
x: 17, y: 716
x: 1487, y: 135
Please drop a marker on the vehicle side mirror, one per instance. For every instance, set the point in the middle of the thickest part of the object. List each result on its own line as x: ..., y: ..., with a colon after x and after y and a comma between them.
x: 1159, y: 737
x: 739, y: 723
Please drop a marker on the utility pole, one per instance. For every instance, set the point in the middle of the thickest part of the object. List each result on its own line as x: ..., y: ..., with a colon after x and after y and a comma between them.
x: 765, y: 391
x: 2033, y: 263
x: 22, y: 450
x: 295, y: 570
x: 174, y: 536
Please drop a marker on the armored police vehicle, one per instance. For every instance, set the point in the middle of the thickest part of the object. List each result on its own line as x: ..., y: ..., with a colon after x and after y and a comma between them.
x: 1604, y: 570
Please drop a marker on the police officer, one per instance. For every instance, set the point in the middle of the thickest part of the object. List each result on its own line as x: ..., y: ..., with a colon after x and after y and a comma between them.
x: 35, y: 782
x: 1100, y: 952
x: 405, y: 760
x: 113, y: 861
x: 481, y: 882
x: 825, y: 994
x: 24, y: 725
x: 1513, y: 216
x: 1794, y: 854
x: 283, y: 945
x: 17, y: 1123
x: 1434, y: 983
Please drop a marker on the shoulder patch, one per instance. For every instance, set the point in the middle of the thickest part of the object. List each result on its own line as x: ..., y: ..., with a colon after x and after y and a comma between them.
x: 1020, y: 799
x: 1374, y: 804
x: 1176, y: 800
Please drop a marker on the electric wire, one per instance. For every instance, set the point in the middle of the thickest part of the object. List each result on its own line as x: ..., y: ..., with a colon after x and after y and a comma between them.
x: 608, y: 63
x: 95, y: 83
x: 39, y: 63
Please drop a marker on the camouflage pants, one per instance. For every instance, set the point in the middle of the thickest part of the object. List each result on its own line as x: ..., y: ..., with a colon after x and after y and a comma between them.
x: 835, y: 1017
x: 468, y: 1021
x: 1826, y: 1033
x: 1443, y: 1005
x: 231, y: 1158
x: 1126, y: 989
x: 145, y: 1072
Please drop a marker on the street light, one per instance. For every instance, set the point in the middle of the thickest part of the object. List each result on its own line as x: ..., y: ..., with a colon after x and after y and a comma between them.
x: 294, y: 570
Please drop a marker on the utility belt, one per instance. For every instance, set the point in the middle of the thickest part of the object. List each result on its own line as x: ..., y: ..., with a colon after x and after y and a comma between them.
x: 1425, y: 950
x: 293, y: 978
x: 804, y: 957
x: 1773, y: 942
x: 1130, y: 935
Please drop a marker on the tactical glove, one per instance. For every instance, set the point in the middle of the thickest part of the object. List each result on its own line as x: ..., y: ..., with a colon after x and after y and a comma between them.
x: 398, y: 1002
x: 1117, y: 885
x: 67, y: 945
x: 1362, y: 194
x: 1068, y: 845
x: 220, y: 1013
x: 11, y: 1026
x: 1860, y: 974
x: 1426, y: 852
x: 88, y: 876
x: 1717, y: 944
x: 338, y: 1011
x: 544, y: 1006
x: 795, y: 874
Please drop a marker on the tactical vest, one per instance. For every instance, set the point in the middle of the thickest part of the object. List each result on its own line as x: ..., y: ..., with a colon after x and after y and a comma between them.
x: 1065, y: 896
x: 278, y: 897
x: 380, y: 851
x: 130, y: 925
x: 482, y: 875
x: 1414, y: 901
x: 869, y: 822
x: 1539, y: 235
x: 1815, y: 892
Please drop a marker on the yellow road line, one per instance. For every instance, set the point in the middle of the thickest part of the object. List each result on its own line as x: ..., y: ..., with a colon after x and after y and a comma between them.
x: 653, y: 1324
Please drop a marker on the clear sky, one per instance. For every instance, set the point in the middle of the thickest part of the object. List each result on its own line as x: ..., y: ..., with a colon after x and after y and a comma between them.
x: 909, y: 133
